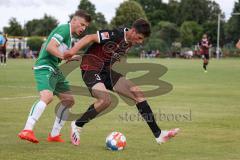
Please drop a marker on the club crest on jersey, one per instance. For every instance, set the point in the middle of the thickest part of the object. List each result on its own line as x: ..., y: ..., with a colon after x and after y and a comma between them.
x: 105, y: 35
x: 97, y: 77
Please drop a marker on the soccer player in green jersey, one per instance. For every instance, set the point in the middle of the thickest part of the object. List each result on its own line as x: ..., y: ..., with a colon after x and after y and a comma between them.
x: 50, y: 80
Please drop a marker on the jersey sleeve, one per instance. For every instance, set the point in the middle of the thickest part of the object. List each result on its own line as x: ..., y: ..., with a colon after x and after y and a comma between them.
x: 1, y: 40
x: 106, y: 36
x: 60, y: 34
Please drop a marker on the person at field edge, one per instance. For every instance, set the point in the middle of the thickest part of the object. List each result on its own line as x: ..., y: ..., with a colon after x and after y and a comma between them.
x: 3, y: 49
x: 204, y: 45
x: 50, y: 80
x: 99, y: 77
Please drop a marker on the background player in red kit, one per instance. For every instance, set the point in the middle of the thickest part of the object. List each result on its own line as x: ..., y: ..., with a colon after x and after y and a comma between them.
x: 108, y: 47
x: 204, y: 45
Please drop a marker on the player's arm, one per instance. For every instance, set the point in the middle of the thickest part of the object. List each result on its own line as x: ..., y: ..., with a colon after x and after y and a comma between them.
x: 209, y: 45
x: 238, y: 44
x: 52, y: 48
x: 81, y: 44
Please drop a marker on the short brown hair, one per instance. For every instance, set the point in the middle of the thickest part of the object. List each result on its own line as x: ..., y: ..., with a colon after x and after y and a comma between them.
x: 142, y: 26
x: 83, y: 14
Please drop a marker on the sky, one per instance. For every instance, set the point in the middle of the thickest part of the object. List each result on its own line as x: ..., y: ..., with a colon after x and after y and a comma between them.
x: 25, y: 10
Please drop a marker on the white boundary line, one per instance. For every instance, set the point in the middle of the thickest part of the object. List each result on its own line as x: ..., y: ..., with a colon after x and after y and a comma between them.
x: 12, y: 98
x: 24, y: 87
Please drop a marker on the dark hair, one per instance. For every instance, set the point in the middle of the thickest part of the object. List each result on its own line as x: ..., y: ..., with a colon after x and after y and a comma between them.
x: 142, y: 26
x: 83, y: 14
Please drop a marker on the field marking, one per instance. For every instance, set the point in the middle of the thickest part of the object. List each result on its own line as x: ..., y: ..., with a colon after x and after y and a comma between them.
x: 24, y: 87
x: 11, y: 98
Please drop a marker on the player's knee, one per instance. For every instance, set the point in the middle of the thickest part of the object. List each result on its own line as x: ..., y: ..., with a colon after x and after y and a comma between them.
x: 138, y: 94
x: 68, y: 102
x: 105, y: 101
x: 46, y: 97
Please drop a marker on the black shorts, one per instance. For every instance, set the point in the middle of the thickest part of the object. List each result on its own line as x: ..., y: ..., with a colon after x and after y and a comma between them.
x: 206, y: 56
x: 108, y: 77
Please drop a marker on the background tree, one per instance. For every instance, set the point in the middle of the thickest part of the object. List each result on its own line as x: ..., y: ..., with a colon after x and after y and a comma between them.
x: 40, y: 27
x: 166, y: 31
x: 35, y: 43
x: 172, y: 11
x: 211, y: 24
x: 210, y: 28
x: 191, y: 33
x: 232, y: 27
x: 98, y: 19
x: 155, y: 10
x: 193, y: 10
x: 14, y: 29
x: 127, y: 13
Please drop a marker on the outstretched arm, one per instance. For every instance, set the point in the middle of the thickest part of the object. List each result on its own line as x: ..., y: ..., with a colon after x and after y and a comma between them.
x: 81, y: 44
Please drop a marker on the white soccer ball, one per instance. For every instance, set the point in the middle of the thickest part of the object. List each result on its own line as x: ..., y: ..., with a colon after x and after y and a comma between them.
x: 116, y: 141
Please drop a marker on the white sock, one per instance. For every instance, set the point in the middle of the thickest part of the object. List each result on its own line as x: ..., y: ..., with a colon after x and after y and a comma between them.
x: 62, y: 116
x: 35, y: 113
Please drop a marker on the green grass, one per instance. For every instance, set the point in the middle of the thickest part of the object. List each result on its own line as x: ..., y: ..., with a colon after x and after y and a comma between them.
x: 212, y: 132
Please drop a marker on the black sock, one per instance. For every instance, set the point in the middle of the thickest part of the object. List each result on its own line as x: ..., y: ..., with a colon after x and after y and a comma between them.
x: 146, y: 112
x: 5, y: 59
x: 204, y: 66
x: 90, y: 114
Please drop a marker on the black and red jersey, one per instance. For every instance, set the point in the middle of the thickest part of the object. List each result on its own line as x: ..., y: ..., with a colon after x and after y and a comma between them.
x: 204, y: 44
x: 111, y: 47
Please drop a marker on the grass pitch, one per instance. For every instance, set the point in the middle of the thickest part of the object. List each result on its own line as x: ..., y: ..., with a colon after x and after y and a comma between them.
x: 205, y: 106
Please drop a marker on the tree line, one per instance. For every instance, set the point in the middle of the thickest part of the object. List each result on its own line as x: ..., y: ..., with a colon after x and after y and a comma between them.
x: 181, y: 22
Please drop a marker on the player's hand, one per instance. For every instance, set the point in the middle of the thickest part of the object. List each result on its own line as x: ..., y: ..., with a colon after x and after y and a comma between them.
x: 67, y: 55
x: 74, y: 58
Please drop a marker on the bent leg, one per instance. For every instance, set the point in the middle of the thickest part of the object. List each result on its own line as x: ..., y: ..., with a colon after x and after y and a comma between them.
x: 130, y: 90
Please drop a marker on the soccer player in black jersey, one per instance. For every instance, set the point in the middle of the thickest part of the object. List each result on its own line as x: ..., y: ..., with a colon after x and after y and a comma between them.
x: 108, y: 47
x: 204, y: 45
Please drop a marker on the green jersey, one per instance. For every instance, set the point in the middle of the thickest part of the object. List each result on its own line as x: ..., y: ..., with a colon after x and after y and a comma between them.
x: 62, y: 34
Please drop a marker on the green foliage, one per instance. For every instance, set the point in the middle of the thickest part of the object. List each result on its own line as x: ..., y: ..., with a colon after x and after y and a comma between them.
x: 168, y: 20
x: 191, y: 33
x: 127, y: 13
x: 210, y: 134
x: 211, y: 29
x: 87, y: 6
x: 213, y: 9
x: 157, y: 44
x: 40, y: 27
x: 232, y: 27
x: 14, y: 29
x: 155, y: 10
x: 98, y: 19
x: 35, y: 43
x: 166, y: 31
x: 193, y: 10
x: 173, y: 11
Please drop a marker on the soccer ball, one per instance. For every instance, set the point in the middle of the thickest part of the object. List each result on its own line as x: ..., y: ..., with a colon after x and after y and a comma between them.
x: 115, y: 141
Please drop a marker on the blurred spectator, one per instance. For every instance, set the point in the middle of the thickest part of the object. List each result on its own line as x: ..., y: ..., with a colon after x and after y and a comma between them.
x: 3, y: 49
x: 31, y: 54
x: 149, y: 54
x: 13, y: 53
x: 143, y: 54
x: 20, y: 44
x: 157, y: 54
